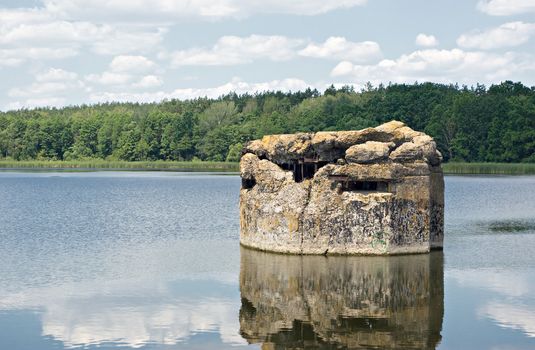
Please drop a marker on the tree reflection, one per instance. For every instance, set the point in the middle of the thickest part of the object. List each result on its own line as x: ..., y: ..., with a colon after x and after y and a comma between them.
x: 298, y: 302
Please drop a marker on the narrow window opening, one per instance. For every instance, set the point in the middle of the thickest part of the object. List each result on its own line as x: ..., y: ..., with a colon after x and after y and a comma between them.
x: 344, y: 183
x: 247, y: 184
x: 365, y: 186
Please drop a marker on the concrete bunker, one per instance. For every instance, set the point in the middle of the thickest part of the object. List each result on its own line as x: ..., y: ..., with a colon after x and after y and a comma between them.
x: 372, y: 191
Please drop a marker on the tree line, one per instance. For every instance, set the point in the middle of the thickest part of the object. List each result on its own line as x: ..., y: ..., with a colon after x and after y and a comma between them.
x: 495, y: 124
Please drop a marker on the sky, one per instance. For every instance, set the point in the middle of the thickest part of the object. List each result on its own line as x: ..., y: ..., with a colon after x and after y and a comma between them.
x: 65, y: 52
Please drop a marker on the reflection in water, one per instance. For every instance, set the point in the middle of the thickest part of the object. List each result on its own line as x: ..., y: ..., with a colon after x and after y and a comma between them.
x: 510, y: 304
x: 508, y: 315
x: 302, y: 302
x: 133, y: 314
x: 139, y: 266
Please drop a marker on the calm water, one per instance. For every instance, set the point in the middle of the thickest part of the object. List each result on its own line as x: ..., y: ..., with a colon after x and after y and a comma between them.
x: 151, y: 261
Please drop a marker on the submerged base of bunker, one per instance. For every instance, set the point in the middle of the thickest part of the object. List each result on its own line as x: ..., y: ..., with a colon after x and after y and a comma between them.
x: 373, y: 191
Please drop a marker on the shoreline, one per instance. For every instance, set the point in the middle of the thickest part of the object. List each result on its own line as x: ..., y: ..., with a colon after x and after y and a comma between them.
x: 453, y: 168
x: 104, y: 165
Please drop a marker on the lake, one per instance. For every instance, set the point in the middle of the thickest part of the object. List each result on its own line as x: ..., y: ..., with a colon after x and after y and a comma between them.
x: 151, y: 260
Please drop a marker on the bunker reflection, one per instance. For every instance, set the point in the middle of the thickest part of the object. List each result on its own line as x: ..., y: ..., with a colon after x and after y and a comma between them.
x: 298, y: 302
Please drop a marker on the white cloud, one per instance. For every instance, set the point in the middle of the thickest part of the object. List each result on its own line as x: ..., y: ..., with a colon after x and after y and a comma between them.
x: 55, y: 93
x: 447, y: 66
x: 12, y: 17
x: 37, y: 102
x: 125, y: 40
x: 131, y: 64
x: 506, y: 35
x: 109, y: 78
x: 48, y: 89
x: 48, y: 84
x: 231, y: 50
x: 52, y: 88
x: 340, y: 48
x: 16, y: 56
x: 55, y: 74
x: 148, y: 81
x: 342, y: 68
x: 51, y: 32
x: 236, y: 85
x: 426, y: 40
x: 506, y: 7
x: 63, y: 28
x: 171, y: 10
x: 123, y: 70
x: 101, y: 39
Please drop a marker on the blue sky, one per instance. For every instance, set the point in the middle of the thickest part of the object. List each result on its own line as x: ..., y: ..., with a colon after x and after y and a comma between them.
x: 61, y: 52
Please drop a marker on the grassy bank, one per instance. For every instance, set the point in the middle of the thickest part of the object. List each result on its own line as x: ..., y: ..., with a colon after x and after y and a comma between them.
x: 121, y: 165
x: 489, y: 168
x: 449, y: 168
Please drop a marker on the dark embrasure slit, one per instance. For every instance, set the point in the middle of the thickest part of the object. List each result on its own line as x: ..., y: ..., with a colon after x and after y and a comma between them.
x: 345, y: 183
x: 365, y: 186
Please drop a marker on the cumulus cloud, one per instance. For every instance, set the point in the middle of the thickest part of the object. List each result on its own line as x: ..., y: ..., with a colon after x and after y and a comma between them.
x: 51, y: 88
x: 55, y: 74
x: 109, y: 78
x: 236, y: 85
x: 13, y: 17
x: 171, y: 10
x: 124, y: 70
x: 148, y: 81
x: 340, y: 48
x: 101, y: 39
x: 122, y: 87
x: 131, y: 64
x: 37, y: 102
x: 231, y: 50
x: 506, y: 35
x: 506, y: 7
x: 426, y: 40
x: 448, y: 66
x: 34, y: 89
x: 55, y: 86
x: 17, y: 56
x: 52, y: 32
x: 342, y: 68
x: 114, y: 27
x: 125, y: 40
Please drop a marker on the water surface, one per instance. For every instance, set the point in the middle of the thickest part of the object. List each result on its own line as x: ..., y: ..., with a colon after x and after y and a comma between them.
x: 144, y: 260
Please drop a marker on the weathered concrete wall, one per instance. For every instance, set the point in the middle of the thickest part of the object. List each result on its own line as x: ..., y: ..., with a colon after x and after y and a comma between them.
x: 301, y: 192
x: 303, y: 302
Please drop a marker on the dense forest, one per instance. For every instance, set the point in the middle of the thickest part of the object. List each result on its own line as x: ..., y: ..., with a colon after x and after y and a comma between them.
x: 495, y: 124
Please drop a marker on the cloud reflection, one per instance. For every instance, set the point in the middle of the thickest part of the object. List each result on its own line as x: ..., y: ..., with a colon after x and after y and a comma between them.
x: 508, y: 299
x: 508, y: 315
x: 133, y: 314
